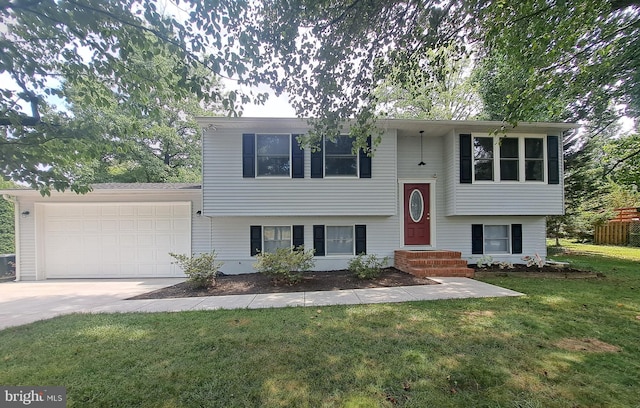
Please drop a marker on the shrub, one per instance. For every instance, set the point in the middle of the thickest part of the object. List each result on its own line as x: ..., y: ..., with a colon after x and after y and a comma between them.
x: 534, y: 260
x: 484, y: 261
x: 285, y: 264
x: 201, y: 270
x: 367, y: 266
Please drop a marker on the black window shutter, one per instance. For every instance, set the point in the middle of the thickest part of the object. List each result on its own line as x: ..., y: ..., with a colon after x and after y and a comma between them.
x: 317, y: 164
x: 318, y: 239
x: 256, y: 239
x: 297, y: 159
x: 477, y: 239
x: 361, y: 239
x: 466, y: 159
x: 365, y: 161
x: 298, y: 236
x: 248, y: 155
x: 516, y: 238
x: 553, y: 159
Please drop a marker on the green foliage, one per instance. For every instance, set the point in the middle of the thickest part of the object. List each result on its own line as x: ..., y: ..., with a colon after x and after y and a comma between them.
x: 432, y: 92
x: 201, y: 270
x: 106, y: 52
x: 7, y: 219
x: 285, y: 264
x: 367, y: 266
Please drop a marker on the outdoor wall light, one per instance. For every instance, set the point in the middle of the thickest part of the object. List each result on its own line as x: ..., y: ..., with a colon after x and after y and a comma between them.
x: 198, y: 213
x: 422, y: 163
x: 25, y: 214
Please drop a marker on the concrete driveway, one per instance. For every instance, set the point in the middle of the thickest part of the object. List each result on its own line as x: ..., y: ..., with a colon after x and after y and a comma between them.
x: 26, y: 302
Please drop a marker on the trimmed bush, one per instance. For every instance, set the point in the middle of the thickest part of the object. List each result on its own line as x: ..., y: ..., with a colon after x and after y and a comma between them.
x: 201, y: 270
x: 367, y: 266
x: 285, y: 264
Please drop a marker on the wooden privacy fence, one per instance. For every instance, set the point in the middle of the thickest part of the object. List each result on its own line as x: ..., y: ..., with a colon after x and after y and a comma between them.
x: 618, y: 233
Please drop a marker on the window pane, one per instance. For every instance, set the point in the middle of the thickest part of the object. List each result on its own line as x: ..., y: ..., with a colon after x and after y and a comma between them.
x: 339, y: 240
x: 483, y: 169
x: 342, y: 145
x: 273, y: 166
x: 533, y: 149
x: 496, y: 239
x: 508, y: 148
x: 483, y: 147
x: 273, y: 145
x: 340, y: 166
x: 273, y: 155
x: 276, y: 237
x: 534, y: 170
x: 338, y: 158
x: 509, y: 170
x: 496, y: 231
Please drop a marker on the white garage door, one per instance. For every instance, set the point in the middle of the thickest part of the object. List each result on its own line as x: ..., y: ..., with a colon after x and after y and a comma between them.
x: 114, y: 240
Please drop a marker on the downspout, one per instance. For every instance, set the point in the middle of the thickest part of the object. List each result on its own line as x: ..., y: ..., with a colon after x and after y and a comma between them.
x: 16, y: 229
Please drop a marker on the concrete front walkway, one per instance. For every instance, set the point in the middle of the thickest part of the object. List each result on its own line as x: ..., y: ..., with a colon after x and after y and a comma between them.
x: 26, y: 302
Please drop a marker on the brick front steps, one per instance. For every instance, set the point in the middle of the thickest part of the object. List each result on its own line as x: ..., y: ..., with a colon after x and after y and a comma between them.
x: 432, y: 263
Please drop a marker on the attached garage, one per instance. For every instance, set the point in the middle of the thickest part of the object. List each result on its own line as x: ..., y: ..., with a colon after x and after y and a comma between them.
x: 115, y: 231
x: 113, y: 240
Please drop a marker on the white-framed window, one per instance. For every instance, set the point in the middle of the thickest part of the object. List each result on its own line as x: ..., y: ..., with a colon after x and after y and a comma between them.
x: 483, y: 158
x: 273, y: 155
x: 340, y: 240
x: 509, y: 158
x: 339, y: 159
x: 274, y: 237
x: 534, y: 159
x: 497, y: 239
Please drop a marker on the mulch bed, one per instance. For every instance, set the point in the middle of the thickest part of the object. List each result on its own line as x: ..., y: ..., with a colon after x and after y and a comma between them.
x: 254, y: 283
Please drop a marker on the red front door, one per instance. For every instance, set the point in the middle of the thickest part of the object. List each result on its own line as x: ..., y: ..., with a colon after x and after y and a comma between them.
x: 417, y: 215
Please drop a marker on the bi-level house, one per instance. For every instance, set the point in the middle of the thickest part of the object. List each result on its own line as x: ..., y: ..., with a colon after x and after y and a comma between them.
x: 434, y: 195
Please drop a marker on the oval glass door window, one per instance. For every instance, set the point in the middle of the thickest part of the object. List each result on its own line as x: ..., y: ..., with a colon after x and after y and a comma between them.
x: 416, y: 205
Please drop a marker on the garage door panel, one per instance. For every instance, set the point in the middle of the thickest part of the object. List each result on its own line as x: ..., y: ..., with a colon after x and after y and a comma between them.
x: 114, y: 239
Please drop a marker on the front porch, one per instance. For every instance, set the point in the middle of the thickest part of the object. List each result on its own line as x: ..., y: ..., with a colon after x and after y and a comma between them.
x: 432, y: 263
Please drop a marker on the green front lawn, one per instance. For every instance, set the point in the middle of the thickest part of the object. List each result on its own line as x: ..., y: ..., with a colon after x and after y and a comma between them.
x: 507, y: 352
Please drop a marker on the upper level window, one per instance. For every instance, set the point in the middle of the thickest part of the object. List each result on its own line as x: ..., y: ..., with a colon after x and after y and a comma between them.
x: 508, y: 158
x: 339, y: 159
x: 483, y: 158
x: 534, y: 159
x: 273, y: 155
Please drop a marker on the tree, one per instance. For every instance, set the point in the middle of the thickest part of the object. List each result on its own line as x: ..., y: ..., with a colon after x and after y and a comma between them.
x: 161, y: 145
x: 7, y: 218
x: 446, y: 94
x: 48, y: 45
x: 329, y: 57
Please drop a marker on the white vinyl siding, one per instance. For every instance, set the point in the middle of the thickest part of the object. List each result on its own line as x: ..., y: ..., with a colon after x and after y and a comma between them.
x: 227, y: 193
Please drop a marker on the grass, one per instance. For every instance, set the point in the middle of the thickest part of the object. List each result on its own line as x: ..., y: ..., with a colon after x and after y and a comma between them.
x: 506, y: 352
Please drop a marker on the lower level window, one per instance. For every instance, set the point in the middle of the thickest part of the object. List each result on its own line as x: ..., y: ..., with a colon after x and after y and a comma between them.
x: 496, y: 239
x: 276, y: 237
x: 340, y: 240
